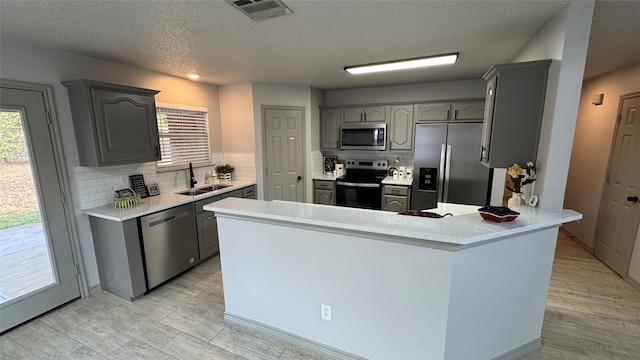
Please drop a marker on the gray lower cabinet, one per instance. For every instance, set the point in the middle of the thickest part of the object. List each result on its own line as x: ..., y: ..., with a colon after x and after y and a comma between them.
x: 207, y: 228
x: 395, y: 198
x: 113, y: 124
x: 324, y: 192
x: 123, y: 255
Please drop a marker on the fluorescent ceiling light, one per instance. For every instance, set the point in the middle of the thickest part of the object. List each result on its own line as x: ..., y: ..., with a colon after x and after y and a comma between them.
x: 403, y: 64
x: 193, y: 76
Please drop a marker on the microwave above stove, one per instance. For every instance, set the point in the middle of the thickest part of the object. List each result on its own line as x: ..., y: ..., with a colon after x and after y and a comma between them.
x: 363, y: 137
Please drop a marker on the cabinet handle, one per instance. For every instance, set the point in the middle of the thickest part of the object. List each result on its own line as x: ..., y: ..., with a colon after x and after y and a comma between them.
x: 455, y: 114
x: 448, y: 111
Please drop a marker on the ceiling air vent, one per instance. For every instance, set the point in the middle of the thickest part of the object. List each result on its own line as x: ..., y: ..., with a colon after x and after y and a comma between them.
x: 261, y: 9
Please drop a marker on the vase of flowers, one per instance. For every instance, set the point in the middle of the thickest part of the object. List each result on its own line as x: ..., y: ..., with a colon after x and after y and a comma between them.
x: 520, y: 177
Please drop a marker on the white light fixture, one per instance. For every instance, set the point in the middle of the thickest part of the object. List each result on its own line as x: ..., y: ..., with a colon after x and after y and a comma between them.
x: 403, y: 64
x: 193, y: 76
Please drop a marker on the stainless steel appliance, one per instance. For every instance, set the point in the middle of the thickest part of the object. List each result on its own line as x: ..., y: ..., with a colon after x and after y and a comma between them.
x: 363, y: 137
x: 170, y: 243
x: 361, y: 185
x: 447, y: 167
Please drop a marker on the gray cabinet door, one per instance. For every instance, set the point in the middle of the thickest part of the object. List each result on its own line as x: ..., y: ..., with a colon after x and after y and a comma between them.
x: 395, y: 203
x: 372, y: 114
x: 126, y: 127
x: 401, y: 127
x: 113, y: 124
x: 330, y: 120
x: 208, y: 244
x: 431, y: 112
x: 375, y: 114
x: 466, y: 111
x: 512, y: 133
x: 353, y: 115
x: 324, y: 197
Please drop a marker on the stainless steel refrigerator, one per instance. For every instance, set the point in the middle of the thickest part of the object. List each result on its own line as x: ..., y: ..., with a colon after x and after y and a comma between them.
x: 447, y: 166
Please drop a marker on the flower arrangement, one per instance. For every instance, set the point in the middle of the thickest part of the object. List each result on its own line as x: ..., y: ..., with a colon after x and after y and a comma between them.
x: 521, y: 176
x: 224, y: 169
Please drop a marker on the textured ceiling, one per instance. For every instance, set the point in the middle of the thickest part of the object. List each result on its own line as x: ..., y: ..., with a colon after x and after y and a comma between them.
x: 310, y: 47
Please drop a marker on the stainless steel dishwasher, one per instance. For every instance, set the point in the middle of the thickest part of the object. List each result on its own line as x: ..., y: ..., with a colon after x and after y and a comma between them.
x: 170, y: 243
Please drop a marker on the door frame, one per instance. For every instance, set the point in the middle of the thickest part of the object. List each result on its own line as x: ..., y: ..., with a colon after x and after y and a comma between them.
x: 609, y: 162
x: 263, y: 109
x: 62, y: 173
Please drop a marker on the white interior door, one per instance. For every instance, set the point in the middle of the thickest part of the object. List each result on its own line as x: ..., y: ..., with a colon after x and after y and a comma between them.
x: 284, y: 153
x: 37, y: 269
x: 619, y: 212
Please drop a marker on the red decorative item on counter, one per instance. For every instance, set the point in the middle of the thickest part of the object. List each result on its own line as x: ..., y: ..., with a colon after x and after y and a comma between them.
x: 498, y: 213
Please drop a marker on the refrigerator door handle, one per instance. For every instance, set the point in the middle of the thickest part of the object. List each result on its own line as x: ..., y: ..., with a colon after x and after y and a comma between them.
x: 443, y: 155
x: 447, y: 167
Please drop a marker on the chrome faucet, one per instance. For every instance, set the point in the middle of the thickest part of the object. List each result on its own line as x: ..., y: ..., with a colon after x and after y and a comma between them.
x: 192, y: 180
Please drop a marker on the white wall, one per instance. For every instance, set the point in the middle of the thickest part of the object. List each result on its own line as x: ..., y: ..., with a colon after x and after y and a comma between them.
x: 448, y: 90
x: 46, y: 66
x: 564, y: 39
x: 595, y: 130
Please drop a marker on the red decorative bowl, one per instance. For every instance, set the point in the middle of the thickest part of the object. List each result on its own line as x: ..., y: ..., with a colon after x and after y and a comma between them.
x: 502, y: 216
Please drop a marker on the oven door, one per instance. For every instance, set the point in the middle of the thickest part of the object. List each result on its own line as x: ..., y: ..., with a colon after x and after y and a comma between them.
x: 359, y: 195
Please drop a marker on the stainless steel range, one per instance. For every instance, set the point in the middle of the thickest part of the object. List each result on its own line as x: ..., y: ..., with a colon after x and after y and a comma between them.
x: 361, y: 185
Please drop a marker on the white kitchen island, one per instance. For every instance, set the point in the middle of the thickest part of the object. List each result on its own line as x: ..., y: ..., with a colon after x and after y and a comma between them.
x: 399, y: 287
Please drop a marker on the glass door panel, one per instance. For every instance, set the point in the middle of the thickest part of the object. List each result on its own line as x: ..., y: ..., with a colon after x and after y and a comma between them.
x: 25, y: 261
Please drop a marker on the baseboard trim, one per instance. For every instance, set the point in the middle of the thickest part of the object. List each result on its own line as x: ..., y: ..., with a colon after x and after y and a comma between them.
x: 632, y: 282
x: 514, y: 354
x: 577, y: 240
x: 521, y: 351
x: 94, y: 290
x: 289, y: 337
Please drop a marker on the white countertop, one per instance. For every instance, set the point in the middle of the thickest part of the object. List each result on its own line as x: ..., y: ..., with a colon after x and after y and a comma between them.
x: 160, y: 202
x: 403, y: 181
x: 330, y: 177
x: 465, y: 229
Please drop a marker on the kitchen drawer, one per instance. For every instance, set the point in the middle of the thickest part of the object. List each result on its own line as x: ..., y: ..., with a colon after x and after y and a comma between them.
x: 396, y: 190
x: 200, y: 203
x: 249, y: 192
x: 324, y: 184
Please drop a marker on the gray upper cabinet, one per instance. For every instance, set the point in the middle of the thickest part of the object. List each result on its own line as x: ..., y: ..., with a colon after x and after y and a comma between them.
x: 467, y: 111
x: 330, y: 120
x: 401, y: 127
x: 373, y: 114
x: 513, y: 113
x: 113, y: 124
x: 432, y: 112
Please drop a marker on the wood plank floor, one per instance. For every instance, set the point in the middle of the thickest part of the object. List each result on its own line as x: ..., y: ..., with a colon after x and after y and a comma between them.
x: 591, y: 314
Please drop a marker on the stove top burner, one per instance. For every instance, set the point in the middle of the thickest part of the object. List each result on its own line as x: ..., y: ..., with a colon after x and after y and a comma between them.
x: 365, y: 171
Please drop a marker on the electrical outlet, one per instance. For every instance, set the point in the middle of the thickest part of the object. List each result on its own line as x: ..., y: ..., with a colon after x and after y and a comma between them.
x: 325, y: 312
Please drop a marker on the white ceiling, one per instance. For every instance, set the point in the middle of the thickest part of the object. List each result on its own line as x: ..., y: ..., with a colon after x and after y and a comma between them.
x: 312, y: 46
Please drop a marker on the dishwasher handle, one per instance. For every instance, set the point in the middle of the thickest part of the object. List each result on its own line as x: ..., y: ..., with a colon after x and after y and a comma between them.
x: 167, y: 219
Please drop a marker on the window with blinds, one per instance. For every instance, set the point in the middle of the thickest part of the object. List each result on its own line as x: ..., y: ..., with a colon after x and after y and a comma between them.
x: 184, y: 137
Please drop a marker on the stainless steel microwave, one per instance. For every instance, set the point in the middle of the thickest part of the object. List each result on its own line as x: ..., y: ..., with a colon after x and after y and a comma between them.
x: 363, y: 137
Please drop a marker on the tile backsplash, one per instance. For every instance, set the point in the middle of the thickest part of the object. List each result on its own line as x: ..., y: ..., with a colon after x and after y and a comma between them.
x: 96, y: 185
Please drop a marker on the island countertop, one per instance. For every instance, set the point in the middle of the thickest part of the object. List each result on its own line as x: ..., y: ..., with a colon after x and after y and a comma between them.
x: 462, y: 230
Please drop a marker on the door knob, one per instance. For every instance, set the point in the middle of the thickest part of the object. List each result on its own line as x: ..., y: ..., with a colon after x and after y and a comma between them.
x: 632, y: 199
x: 300, y: 178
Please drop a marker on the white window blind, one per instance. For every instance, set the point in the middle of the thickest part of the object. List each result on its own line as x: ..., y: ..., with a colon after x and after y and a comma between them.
x: 184, y: 137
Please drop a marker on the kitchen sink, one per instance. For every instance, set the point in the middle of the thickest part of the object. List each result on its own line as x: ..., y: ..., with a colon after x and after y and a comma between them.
x: 203, y: 190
